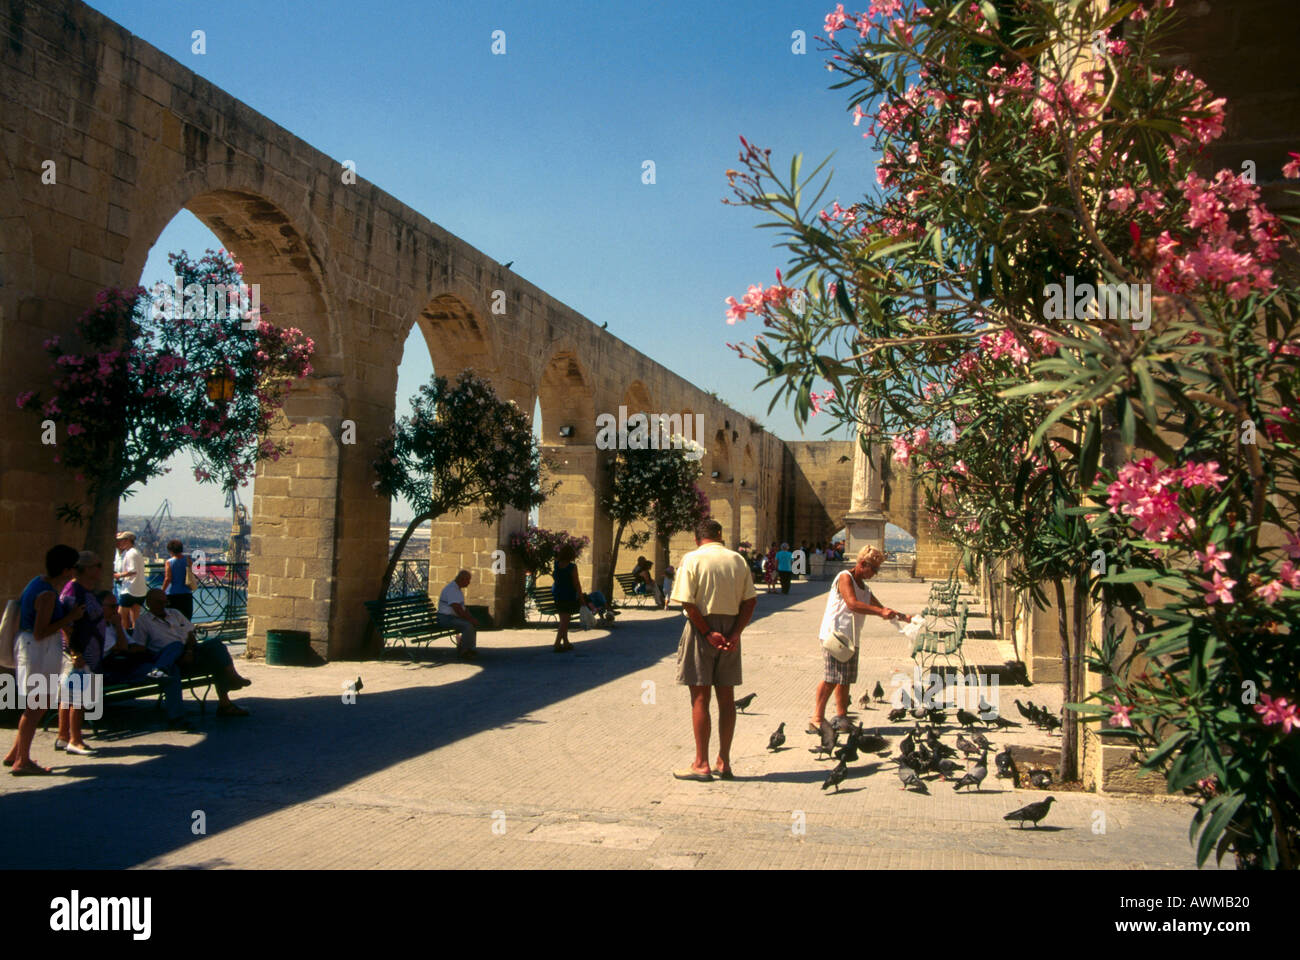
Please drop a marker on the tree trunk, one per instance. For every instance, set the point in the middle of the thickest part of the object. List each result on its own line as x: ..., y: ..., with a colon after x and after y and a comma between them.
x: 608, y: 586
x: 1069, y: 747
x: 102, y: 520
x: 1081, y: 618
x: 371, y: 642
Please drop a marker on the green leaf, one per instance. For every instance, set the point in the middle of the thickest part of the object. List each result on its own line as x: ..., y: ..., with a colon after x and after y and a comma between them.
x: 1227, y: 807
x: 1162, y: 752
x: 990, y: 13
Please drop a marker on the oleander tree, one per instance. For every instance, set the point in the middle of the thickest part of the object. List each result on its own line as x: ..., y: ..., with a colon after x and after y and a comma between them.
x: 1047, y: 266
x: 536, y: 547
x: 461, y: 448
x: 657, y: 487
x: 134, y: 389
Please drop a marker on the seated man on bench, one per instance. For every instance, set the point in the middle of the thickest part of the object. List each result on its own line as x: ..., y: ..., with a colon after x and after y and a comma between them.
x: 162, y: 629
x: 452, y: 613
x: 125, y: 661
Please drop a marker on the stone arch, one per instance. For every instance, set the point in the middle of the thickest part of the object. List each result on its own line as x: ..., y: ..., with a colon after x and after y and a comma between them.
x: 568, y: 399
x: 747, y: 496
x: 637, y: 399
x: 296, y: 504
x: 457, y: 335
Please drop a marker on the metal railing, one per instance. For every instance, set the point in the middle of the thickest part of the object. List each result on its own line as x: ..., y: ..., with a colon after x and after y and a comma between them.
x: 410, y: 578
x: 221, y: 595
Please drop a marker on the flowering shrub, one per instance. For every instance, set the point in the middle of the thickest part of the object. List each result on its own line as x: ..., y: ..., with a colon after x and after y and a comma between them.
x: 1079, y: 340
x: 133, y: 392
x: 536, y: 548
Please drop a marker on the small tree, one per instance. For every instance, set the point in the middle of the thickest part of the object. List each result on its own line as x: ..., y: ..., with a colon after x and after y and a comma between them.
x: 535, y: 548
x: 461, y: 447
x: 136, y: 389
x: 655, y: 486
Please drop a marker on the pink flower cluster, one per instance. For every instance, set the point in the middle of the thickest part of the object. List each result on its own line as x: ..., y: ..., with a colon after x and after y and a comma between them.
x: 905, y: 445
x: 821, y: 400
x: 1277, y: 712
x: 756, y: 299
x: 1003, y: 344
x: 1150, y: 496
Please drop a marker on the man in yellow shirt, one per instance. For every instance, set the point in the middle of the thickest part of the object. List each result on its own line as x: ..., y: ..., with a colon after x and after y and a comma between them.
x: 716, y: 591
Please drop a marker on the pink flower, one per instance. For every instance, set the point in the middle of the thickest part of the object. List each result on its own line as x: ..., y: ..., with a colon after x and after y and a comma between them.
x: 75, y: 429
x: 961, y: 468
x: 25, y: 398
x: 835, y: 21
x: 1201, y: 475
x: 1152, y: 202
x: 902, y: 449
x: 1269, y: 592
x: 1212, y: 559
x: 1289, y: 574
x: 1119, y: 714
x: 1219, y: 591
x: 1291, y: 169
x: 1121, y: 199
x: 1277, y: 711
x: 1293, y: 545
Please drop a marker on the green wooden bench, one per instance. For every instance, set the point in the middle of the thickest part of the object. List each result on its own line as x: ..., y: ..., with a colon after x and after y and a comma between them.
x: 133, y: 690
x: 627, y: 582
x: 930, y: 645
x: 542, y: 602
x: 412, y: 619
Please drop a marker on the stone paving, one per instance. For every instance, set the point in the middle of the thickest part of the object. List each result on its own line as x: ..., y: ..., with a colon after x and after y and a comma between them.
x: 532, y: 759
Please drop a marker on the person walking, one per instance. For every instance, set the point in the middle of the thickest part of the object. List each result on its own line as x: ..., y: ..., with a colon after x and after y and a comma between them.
x: 847, y: 606
x: 769, y: 569
x: 131, y: 577
x: 566, y: 591
x: 783, y: 564
x: 716, y: 591
x: 176, y: 580
x: 39, y: 651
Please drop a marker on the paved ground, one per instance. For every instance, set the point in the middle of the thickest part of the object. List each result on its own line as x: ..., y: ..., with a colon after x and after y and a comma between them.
x: 532, y: 759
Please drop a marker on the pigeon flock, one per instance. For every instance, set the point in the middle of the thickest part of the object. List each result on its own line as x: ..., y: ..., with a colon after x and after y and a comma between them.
x: 923, y: 754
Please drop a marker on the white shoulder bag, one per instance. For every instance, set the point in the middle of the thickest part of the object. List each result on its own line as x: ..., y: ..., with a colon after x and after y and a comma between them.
x: 9, y: 635
x: 842, y: 644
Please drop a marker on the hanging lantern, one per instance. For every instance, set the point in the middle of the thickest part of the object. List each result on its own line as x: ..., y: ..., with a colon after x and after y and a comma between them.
x: 220, y: 385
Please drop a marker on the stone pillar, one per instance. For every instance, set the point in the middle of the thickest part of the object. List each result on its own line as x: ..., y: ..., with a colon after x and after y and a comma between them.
x: 583, y: 476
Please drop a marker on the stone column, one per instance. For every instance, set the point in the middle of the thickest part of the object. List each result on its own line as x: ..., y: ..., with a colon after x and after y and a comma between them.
x: 865, y: 521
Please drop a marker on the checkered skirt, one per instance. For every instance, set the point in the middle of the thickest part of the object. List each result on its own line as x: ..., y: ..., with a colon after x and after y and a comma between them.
x: 837, y: 672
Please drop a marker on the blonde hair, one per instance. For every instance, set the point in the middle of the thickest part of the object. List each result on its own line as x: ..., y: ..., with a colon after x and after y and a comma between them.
x: 872, y: 555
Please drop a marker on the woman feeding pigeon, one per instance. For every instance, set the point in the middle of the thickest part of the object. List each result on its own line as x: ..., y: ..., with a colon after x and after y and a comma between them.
x: 847, y: 607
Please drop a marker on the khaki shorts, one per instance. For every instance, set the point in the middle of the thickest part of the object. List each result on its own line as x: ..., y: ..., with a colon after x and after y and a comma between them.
x: 699, y: 663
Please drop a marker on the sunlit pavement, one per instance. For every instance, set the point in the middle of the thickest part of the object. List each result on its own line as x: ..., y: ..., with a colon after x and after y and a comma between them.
x: 528, y: 758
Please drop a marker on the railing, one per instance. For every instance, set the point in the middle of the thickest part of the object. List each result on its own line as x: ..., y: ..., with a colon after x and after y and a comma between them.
x: 410, y: 578
x: 221, y: 594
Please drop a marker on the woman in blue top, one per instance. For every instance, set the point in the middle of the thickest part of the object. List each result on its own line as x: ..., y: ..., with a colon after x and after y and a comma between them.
x: 39, y: 652
x: 567, y: 593
x: 175, y: 572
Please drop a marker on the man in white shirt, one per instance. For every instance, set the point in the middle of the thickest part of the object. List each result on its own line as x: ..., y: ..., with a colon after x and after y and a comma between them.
x: 453, y: 613
x: 169, y: 636
x: 130, y: 575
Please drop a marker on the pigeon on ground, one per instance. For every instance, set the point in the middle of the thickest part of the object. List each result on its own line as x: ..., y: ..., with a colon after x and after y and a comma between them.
x: 940, y: 748
x: 829, y: 736
x: 842, y: 724
x: 966, y: 747
x: 975, y: 775
x: 871, y: 742
x: 1050, y: 722
x: 918, y: 712
x: 745, y: 701
x: 981, y: 741
x: 1042, y: 779
x: 865, y: 701
x: 1025, y: 711
x: 936, y: 716
x: 896, y: 715
x: 907, y: 747
x: 986, y: 708
x: 946, y: 768
x: 1002, y: 723
x: 776, y: 739
x: 878, y: 693
x: 837, y: 776
x: 1007, y: 766
x: 849, y: 752
x: 910, y: 778
x: 911, y: 761
x: 1032, y: 812
x: 354, y: 686
x: 967, y: 719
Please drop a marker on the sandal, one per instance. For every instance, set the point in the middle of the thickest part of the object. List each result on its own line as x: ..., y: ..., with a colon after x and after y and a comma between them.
x: 31, y: 770
x: 689, y: 774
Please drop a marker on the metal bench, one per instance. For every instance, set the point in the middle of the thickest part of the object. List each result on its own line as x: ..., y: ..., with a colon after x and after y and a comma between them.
x: 411, y: 619
x: 542, y: 602
x: 930, y: 645
x: 144, y: 688
x: 627, y: 582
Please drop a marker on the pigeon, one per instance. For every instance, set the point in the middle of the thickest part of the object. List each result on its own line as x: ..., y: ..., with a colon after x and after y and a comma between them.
x: 986, y: 707
x: 865, y: 701
x: 776, y: 739
x: 923, y: 756
x: 936, y: 716
x: 967, y: 719
x: 1050, y: 722
x: 910, y: 778
x: 508, y: 265
x: 906, y: 697
x: 849, y: 752
x: 829, y: 736
x: 966, y: 747
x: 837, y: 776
x: 946, y: 768
x: 1032, y: 812
x: 907, y: 747
x: 981, y: 741
x: 1007, y: 766
x: 975, y: 775
x: 940, y: 748
x: 878, y: 693
x: 1025, y: 711
x: 871, y: 742
x: 745, y: 701
x: 354, y: 686
x: 896, y: 715
x: 918, y: 712
x: 842, y: 724
x: 603, y: 326
x: 1002, y: 723
x: 1042, y: 779
x: 911, y: 761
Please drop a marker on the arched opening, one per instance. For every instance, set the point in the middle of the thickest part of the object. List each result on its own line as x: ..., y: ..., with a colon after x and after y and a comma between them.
x: 566, y: 404
x: 748, y: 495
x: 721, y: 478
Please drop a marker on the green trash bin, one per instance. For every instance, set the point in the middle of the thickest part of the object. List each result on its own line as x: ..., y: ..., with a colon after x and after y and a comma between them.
x: 288, y: 648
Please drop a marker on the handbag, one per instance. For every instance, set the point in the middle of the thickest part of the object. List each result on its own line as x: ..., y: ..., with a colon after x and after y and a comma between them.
x: 8, y: 635
x: 190, y: 580
x: 842, y: 644
x: 587, y: 617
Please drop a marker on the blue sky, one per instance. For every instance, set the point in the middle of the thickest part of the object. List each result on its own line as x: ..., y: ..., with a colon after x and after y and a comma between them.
x: 536, y: 156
